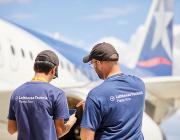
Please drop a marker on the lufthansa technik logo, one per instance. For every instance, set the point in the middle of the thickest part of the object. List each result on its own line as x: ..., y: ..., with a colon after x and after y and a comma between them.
x: 29, y: 99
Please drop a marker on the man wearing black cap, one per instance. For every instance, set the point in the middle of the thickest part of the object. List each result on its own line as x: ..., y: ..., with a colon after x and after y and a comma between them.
x: 37, y: 108
x: 114, y: 109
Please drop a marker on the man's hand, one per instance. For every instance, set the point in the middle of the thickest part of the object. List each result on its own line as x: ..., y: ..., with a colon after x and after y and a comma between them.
x: 72, y: 120
x: 81, y: 103
x: 61, y: 128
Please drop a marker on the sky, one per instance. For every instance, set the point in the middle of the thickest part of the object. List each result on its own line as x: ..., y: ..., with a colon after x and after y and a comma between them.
x: 81, y: 22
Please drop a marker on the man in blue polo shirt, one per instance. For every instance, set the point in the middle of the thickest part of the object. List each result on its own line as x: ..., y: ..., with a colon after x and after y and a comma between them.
x: 37, y: 109
x: 114, y: 109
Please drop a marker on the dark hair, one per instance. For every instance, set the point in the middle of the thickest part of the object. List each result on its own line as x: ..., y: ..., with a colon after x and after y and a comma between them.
x: 43, y: 67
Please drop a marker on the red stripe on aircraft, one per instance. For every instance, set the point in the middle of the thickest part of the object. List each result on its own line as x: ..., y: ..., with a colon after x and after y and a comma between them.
x: 154, y: 62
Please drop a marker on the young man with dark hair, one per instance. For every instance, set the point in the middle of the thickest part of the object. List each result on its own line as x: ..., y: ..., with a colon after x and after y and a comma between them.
x: 114, y: 109
x: 37, y: 109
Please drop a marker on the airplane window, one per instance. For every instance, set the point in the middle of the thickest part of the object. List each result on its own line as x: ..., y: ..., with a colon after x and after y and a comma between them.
x: 22, y: 52
x: 84, y: 72
x: 61, y: 63
x: 13, y: 50
x: 31, y: 55
x: 68, y: 67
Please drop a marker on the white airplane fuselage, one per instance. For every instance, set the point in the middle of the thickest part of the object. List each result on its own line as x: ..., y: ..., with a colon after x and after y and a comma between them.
x: 18, y: 50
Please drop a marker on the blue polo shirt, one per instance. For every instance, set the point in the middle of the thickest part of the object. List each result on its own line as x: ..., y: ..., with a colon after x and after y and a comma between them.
x: 34, y: 106
x: 114, y: 109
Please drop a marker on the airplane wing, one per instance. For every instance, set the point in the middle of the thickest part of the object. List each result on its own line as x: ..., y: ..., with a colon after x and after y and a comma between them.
x: 163, y: 96
x: 163, y: 87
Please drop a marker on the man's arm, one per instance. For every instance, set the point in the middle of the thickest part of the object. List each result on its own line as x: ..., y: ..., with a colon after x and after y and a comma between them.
x: 87, y: 134
x: 12, y: 127
x: 61, y: 128
x: 91, y: 119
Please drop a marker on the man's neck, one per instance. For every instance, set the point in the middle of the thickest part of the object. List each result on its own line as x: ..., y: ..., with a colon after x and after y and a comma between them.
x: 114, y: 71
x: 41, y: 77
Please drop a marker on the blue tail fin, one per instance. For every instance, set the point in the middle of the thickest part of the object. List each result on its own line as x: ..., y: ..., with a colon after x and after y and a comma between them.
x: 156, y: 55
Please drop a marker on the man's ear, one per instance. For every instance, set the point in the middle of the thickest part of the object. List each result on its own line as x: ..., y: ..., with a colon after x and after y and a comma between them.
x: 54, y: 70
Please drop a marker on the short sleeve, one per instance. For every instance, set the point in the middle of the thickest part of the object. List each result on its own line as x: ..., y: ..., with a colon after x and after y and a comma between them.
x: 11, y: 115
x: 91, y: 117
x: 61, y: 110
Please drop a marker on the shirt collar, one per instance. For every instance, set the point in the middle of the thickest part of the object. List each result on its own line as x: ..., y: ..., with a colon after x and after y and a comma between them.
x: 39, y: 78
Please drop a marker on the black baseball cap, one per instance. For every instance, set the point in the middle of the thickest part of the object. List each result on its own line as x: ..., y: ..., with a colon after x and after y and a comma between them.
x: 48, y: 57
x: 102, y: 52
